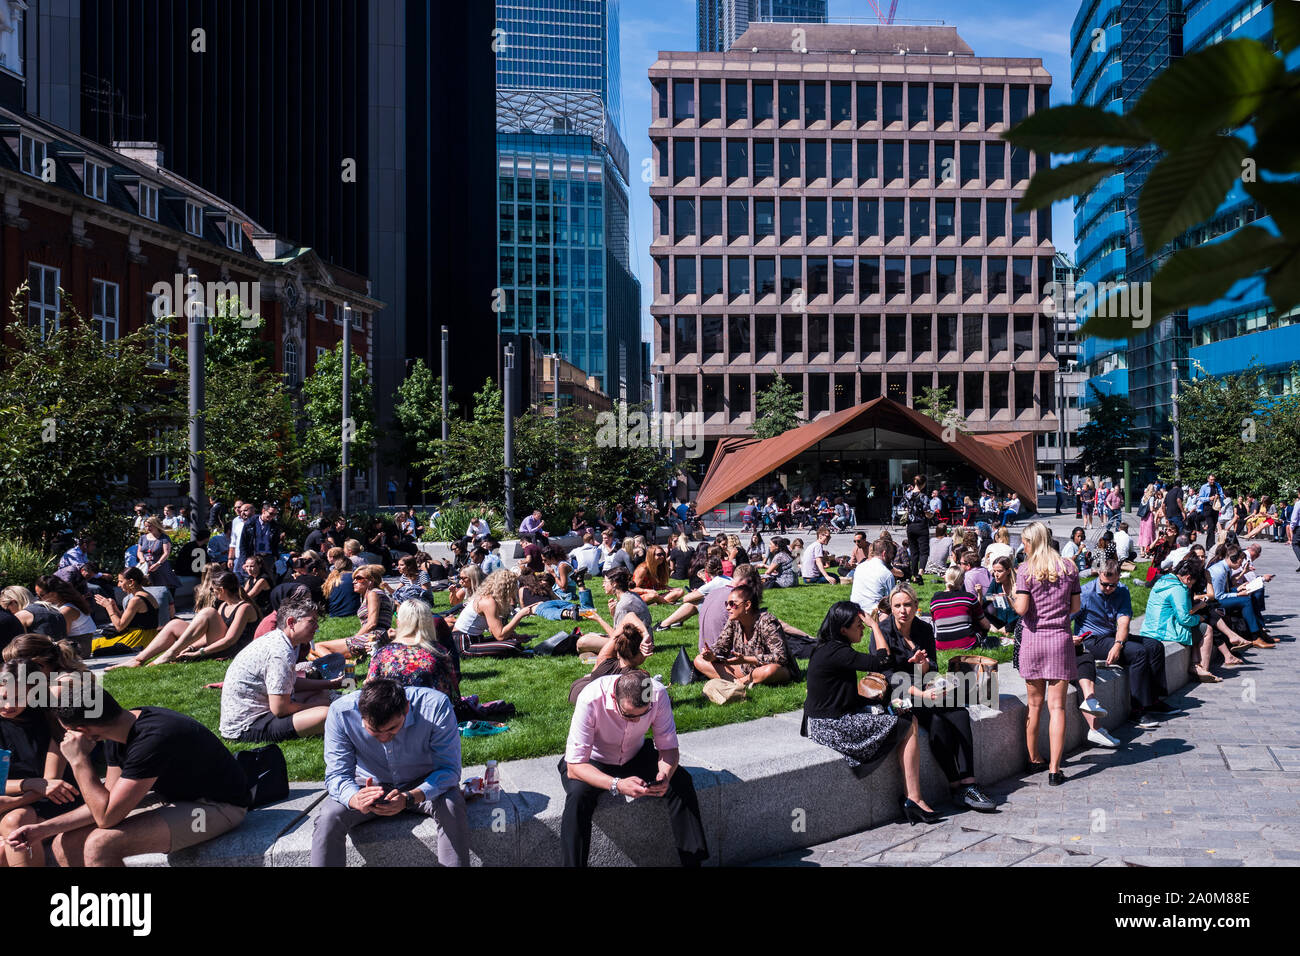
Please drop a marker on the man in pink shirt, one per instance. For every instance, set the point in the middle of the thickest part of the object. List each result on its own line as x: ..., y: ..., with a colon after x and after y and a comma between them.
x: 607, y: 752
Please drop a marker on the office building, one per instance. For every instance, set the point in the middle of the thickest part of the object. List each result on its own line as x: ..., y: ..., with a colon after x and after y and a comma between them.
x: 845, y: 218
x: 563, y: 261
x: 720, y: 22
x: 1058, y: 451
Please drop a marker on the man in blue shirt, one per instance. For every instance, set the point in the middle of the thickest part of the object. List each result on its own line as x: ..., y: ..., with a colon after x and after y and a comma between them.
x: 389, y: 749
x: 1210, y: 493
x: 1105, y: 614
x: 1228, y: 597
x: 1059, y: 488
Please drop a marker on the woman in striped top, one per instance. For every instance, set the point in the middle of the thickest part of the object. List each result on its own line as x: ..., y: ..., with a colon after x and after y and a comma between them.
x: 958, y: 616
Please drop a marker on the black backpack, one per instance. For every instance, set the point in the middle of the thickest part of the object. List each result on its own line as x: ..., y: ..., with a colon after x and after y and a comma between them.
x: 266, y: 773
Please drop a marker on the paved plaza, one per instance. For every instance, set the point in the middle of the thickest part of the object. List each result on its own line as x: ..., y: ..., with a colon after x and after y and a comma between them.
x: 1217, y: 784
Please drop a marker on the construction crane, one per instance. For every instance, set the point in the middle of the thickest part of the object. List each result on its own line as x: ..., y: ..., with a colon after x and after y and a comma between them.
x: 880, y: 15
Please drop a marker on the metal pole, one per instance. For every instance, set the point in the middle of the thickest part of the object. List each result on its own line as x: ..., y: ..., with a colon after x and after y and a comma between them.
x: 344, y: 496
x: 1173, y: 417
x: 197, y: 330
x: 1128, y: 495
x: 1060, y: 419
x: 508, y: 442
x: 444, y: 384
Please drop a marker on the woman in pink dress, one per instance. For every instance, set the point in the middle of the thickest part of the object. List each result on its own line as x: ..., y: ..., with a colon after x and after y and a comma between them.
x: 1147, y: 529
x: 1047, y: 596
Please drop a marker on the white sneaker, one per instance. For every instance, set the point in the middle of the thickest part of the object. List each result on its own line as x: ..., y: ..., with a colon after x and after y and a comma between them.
x: 1103, y: 739
x: 1093, y: 706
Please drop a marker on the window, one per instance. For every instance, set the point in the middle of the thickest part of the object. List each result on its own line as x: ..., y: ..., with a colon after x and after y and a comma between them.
x: 710, y: 159
x: 1022, y: 277
x: 893, y: 161
x: 764, y: 218
x: 815, y: 159
x: 946, y: 331
x: 788, y: 104
x: 866, y: 96
x: 814, y: 103
x: 684, y: 267
x: 162, y: 333
x: 104, y: 309
x: 149, y: 209
x: 945, y: 164
x: 868, y: 160
x: 921, y: 325
x: 818, y: 277
x: 683, y: 159
x: 789, y: 160
x: 763, y: 161
x: 764, y: 276
x: 970, y: 219
x: 972, y: 339
x: 710, y: 100
x: 868, y: 276
x: 1024, y: 392
x: 1021, y: 224
x: 685, y: 336
x: 710, y: 219
x: 997, y: 325
x: 968, y: 105
x: 893, y: 219
x: 815, y: 218
x: 921, y: 275
x: 791, y: 334
x: 891, y: 98
x: 993, y: 97
x: 737, y: 160
x: 687, y: 393
x: 843, y: 337
x: 736, y: 101
x: 945, y: 276
x: 661, y: 157
x: 970, y: 163
x: 842, y: 162
x: 737, y: 277
x: 997, y: 269
x: 43, y: 298
x: 973, y: 386
x: 841, y: 103
x: 971, y: 276
x: 791, y: 217
x: 919, y: 216
x: 995, y: 218
x: 791, y: 276
x: 737, y: 219
x: 895, y: 277
x: 998, y: 391
x: 764, y: 336
x: 739, y: 398
x: 661, y: 98
x: 683, y: 219
x: 31, y: 155
x: 194, y: 218
x: 868, y: 219
x: 1023, y: 335
x: 868, y: 336
x: 896, y: 387
x: 945, y: 218
x: 710, y: 336
x: 762, y: 100
x: 918, y: 161
x: 96, y: 177
x: 710, y: 276
x: 234, y: 230
x: 995, y: 162
x: 842, y: 280
x: 683, y: 100
x: 1019, y: 104
x: 292, y: 366
x: 918, y: 104
x: 713, y: 397
x: 942, y: 105
x: 1019, y: 164
x: 841, y: 219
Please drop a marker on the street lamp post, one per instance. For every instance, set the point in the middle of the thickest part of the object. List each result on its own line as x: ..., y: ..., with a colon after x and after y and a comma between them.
x: 195, y: 343
x: 1128, y: 494
x: 1173, y: 420
x: 444, y: 384
x: 508, y: 444
x: 347, y: 404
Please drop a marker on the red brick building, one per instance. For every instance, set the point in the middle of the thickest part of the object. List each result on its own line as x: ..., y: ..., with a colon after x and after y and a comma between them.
x: 102, y: 231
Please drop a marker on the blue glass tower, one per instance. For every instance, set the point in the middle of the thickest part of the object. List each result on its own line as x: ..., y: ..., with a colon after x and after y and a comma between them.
x: 719, y: 22
x: 562, y: 189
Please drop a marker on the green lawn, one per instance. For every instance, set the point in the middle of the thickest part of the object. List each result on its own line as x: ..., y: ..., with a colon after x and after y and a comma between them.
x: 538, y: 687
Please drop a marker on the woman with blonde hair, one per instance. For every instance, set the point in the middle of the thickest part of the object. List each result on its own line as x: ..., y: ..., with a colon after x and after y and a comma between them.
x: 375, y: 614
x: 1000, y: 547
x: 155, y: 550
x: 469, y: 579
x: 72, y: 605
x: 484, y: 627
x: 1147, y: 524
x: 137, y: 623
x: 206, y: 592
x: 1047, y: 596
x: 32, y: 614
x: 220, y: 630
x: 415, y: 654
x: 352, y: 551
x: 340, y: 597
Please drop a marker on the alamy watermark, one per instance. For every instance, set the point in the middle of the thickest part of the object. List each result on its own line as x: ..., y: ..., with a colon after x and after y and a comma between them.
x: 192, y: 299
x: 36, y: 689
x: 1130, y: 300
x: 624, y: 429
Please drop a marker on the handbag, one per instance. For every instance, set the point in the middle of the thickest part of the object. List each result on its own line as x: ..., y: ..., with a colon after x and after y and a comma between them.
x: 559, y: 644
x: 683, y: 671
x: 267, y: 775
x: 984, y: 668
x: 873, y: 687
x: 724, y: 691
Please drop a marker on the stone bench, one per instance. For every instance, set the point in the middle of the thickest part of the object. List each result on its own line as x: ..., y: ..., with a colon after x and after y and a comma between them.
x: 763, y: 789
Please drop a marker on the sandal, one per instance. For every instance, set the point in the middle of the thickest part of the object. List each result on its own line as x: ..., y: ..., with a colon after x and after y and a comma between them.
x: 1208, y: 678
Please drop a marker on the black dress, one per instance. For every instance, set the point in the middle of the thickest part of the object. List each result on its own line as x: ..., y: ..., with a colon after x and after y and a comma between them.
x: 836, y: 715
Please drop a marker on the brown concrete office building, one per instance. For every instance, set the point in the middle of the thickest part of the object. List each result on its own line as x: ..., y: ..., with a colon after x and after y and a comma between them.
x: 845, y: 217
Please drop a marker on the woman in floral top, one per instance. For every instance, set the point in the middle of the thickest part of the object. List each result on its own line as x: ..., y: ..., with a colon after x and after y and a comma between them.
x: 751, y: 648
x: 414, y: 656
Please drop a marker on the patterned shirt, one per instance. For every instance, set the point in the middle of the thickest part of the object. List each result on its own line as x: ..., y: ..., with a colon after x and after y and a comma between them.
x: 767, y: 643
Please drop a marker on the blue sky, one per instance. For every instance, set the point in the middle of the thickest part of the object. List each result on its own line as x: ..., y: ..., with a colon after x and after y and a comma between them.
x: 991, y: 27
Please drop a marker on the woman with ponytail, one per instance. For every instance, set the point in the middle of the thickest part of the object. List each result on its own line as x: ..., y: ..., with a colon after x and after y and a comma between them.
x: 218, y: 631
x: 629, y: 645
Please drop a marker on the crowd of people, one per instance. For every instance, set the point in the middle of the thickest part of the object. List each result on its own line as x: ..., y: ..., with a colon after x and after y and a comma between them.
x: 1062, y: 610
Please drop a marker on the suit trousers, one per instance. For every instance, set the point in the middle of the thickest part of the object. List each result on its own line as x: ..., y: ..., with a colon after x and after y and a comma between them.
x: 328, y: 847
x: 1142, y: 657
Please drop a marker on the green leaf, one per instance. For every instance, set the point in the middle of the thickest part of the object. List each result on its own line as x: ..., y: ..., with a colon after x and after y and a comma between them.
x: 1071, y: 179
x: 1281, y: 201
x: 1277, y: 144
x: 1187, y: 186
x: 1200, y: 275
x: 1283, y: 283
x: 1107, y: 327
x: 1217, y: 88
x: 1286, y: 24
x: 1068, y: 129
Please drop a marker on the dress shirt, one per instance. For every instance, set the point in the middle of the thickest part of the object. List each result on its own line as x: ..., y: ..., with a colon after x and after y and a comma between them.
x: 1099, y: 612
x: 872, y: 582
x: 599, y: 732
x: 1221, y: 578
x: 428, y: 746
x: 530, y: 525
x: 73, y: 557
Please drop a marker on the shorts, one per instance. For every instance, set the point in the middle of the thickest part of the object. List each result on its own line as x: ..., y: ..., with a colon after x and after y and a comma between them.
x: 359, y: 645
x: 191, y: 822
x: 269, y: 729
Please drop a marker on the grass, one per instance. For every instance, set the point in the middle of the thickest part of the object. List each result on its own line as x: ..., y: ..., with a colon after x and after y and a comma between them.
x: 538, y: 687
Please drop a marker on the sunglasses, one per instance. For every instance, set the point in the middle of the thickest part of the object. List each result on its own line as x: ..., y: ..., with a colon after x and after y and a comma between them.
x: 1108, y: 585
x: 736, y: 604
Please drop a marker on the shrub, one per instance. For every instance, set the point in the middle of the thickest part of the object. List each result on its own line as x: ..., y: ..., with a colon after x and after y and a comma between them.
x: 22, y: 563
x: 113, y: 534
x: 179, y: 536
x: 454, y: 519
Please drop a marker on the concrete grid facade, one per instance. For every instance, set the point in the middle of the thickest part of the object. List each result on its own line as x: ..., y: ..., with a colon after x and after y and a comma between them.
x: 846, y: 220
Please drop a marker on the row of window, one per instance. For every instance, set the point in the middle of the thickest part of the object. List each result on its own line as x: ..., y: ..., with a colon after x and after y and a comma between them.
x: 541, y: 191
x: 947, y: 163
x: 1243, y: 323
x: 805, y: 102
x: 847, y: 277
x: 546, y: 309
x: 806, y: 219
x: 32, y: 160
x: 975, y: 393
x: 689, y: 338
x: 536, y: 224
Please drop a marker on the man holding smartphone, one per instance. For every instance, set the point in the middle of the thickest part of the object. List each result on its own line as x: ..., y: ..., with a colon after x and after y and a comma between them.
x: 607, y: 753
x: 407, y: 740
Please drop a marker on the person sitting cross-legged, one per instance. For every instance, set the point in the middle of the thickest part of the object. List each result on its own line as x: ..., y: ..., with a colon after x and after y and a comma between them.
x: 166, y: 772
x: 388, y: 749
x: 751, y: 649
x: 814, y: 561
x: 262, y: 697
x: 607, y: 752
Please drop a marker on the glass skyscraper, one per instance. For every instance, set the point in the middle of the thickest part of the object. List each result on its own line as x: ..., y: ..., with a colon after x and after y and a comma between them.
x: 719, y: 22
x: 562, y: 192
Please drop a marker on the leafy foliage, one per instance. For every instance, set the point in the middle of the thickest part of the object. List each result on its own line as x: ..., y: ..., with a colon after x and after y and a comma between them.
x: 418, y: 411
x: 76, y: 413
x: 1108, y: 429
x: 454, y: 519
x: 1187, y: 113
x: 935, y: 403
x: 22, y: 563
x: 778, y: 409
x: 322, y: 393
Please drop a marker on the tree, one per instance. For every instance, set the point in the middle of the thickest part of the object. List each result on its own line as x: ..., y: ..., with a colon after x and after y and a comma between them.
x: 778, y: 409
x: 1184, y: 113
x: 1109, y: 428
x: 935, y: 403
x: 77, y: 411
x: 250, y: 438
x: 418, y: 411
x: 322, y: 392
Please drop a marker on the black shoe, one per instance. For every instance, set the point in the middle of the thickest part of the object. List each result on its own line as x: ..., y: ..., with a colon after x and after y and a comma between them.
x: 976, y: 800
x: 1037, y: 766
x: 1055, y: 779
x: 912, y: 812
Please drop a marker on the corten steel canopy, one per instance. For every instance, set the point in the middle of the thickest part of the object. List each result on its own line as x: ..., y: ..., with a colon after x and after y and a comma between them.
x: 1006, y: 457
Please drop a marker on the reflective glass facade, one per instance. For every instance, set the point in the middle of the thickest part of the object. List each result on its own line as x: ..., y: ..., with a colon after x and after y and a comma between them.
x: 720, y: 22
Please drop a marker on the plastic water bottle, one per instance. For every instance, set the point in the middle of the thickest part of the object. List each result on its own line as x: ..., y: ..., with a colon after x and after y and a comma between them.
x: 491, y: 782
x: 4, y: 769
